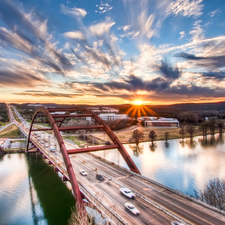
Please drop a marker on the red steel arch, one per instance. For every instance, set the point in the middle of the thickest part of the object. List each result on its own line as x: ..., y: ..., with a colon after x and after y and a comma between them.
x: 56, y: 129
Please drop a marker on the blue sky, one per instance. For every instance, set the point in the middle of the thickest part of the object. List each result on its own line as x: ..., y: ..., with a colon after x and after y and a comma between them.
x: 112, y: 52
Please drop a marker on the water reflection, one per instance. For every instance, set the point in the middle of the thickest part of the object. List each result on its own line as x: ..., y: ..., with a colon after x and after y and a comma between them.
x: 137, y: 149
x: 31, y: 193
x: 183, y: 165
x: 153, y: 146
x: 212, y: 140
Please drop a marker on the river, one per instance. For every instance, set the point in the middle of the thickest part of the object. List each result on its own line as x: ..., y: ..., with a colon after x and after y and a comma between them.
x: 183, y: 165
x: 31, y: 193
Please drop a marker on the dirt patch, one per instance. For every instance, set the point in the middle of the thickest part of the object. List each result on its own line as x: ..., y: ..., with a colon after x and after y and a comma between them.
x: 10, y: 132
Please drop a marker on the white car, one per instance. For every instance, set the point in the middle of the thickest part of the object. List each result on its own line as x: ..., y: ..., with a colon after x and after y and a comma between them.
x: 83, y: 172
x: 52, y: 148
x: 127, y: 192
x: 132, y: 208
x: 176, y: 223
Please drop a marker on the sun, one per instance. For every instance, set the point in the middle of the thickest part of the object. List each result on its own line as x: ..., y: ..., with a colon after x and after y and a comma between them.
x: 137, y: 102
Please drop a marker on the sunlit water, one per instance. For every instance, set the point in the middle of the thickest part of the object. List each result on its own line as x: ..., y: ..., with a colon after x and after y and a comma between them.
x: 181, y: 165
x: 31, y: 193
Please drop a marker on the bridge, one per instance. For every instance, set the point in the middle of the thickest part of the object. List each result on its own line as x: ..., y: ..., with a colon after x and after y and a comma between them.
x: 158, y: 204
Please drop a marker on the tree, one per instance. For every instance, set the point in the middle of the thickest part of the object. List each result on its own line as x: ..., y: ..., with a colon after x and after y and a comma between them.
x: 182, y: 131
x: 220, y: 125
x: 166, y: 135
x: 188, y: 117
x: 152, y: 136
x: 137, y: 136
x: 212, y: 126
x: 204, y: 126
x: 1, y: 150
x: 213, y: 193
x: 191, y: 130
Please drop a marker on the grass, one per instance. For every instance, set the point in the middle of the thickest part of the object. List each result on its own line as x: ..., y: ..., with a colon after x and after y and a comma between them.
x: 76, y: 140
x: 2, y: 124
x: 124, y: 136
x: 11, y: 131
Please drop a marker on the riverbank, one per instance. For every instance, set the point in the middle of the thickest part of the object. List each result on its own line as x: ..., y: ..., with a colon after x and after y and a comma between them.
x: 13, y: 151
x: 126, y: 135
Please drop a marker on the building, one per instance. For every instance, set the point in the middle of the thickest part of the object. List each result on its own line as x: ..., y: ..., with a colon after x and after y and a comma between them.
x: 110, y: 116
x: 160, y: 122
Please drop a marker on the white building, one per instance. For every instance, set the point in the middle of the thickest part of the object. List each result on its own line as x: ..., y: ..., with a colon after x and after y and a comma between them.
x: 160, y: 122
x: 110, y: 116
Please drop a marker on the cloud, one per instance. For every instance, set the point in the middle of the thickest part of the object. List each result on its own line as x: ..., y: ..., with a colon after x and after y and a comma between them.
x: 75, y: 35
x: 197, y: 33
x: 47, y: 94
x: 212, y: 62
x: 103, y: 8
x: 215, y: 12
x: 168, y: 71
x: 20, y: 78
x: 101, y: 28
x: 27, y: 34
x: 182, y: 34
x: 74, y: 12
x: 127, y: 27
x: 186, y: 8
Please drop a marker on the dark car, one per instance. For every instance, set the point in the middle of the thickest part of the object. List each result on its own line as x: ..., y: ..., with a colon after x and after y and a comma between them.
x: 100, y: 177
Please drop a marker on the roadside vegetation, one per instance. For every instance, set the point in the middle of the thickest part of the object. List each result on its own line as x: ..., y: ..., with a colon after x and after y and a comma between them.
x: 3, y: 114
x: 15, y: 116
x: 11, y: 131
x: 213, y: 193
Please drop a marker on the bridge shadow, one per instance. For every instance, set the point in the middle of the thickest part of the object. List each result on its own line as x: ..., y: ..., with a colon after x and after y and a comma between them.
x: 55, y: 198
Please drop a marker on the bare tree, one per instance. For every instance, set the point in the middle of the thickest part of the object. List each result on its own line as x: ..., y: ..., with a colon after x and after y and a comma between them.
x: 166, y: 135
x: 182, y: 131
x: 204, y: 126
x: 152, y: 136
x: 191, y: 130
x: 137, y: 136
x: 213, y: 193
x: 220, y: 125
x: 79, y: 217
x: 212, y: 126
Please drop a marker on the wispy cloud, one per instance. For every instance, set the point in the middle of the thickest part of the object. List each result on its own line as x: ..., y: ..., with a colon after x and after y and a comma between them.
x: 74, y: 12
x: 182, y: 34
x: 187, y: 8
x: 103, y: 8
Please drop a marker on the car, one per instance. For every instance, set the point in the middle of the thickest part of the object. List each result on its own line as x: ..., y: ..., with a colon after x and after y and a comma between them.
x: 100, y: 177
x: 127, y: 192
x: 132, y: 208
x: 176, y: 223
x: 83, y: 172
x: 52, y: 148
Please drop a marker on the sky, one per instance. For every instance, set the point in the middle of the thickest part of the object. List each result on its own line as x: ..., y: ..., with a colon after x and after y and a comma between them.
x: 112, y: 51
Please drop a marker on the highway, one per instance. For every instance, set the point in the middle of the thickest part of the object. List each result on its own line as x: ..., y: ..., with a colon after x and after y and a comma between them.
x: 149, y: 194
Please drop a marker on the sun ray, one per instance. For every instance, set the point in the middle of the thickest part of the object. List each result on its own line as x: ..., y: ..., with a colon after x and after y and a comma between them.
x: 150, y: 111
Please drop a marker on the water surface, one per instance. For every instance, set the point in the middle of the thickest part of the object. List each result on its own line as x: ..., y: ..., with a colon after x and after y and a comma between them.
x: 182, y: 165
x: 31, y: 193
